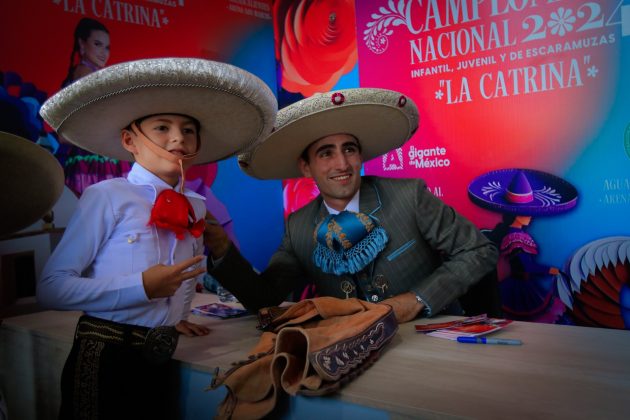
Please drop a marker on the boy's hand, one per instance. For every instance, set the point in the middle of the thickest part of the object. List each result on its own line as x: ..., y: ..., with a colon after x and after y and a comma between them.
x: 215, y: 238
x: 191, y: 329
x: 164, y: 280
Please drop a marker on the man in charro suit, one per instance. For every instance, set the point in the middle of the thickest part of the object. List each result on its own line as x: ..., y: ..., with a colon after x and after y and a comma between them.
x: 383, y: 240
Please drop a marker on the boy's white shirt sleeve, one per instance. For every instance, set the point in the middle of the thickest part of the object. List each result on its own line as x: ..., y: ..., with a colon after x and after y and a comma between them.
x: 62, y: 285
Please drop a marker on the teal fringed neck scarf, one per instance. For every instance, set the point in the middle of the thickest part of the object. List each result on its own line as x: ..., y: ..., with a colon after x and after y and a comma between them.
x: 347, y: 242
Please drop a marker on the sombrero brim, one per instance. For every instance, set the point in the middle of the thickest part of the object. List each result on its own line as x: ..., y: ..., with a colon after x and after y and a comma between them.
x: 235, y: 108
x: 552, y: 194
x: 381, y: 119
x: 32, y: 182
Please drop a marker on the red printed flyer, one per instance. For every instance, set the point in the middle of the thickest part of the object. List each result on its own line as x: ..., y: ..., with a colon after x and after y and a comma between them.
x: 467, y: 327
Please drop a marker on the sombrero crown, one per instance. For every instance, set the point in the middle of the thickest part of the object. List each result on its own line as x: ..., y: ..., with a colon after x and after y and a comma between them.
x: 235, y: 108
x: 380, y: 119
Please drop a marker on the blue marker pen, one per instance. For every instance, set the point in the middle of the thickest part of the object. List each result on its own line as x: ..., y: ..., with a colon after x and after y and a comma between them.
x: 484, y: 340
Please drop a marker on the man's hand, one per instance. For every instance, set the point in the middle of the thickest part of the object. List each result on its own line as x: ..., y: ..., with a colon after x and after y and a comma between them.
x: 191, y: 329
x: 164, y: 280
x: 215, y: 238
x: 406, y: 307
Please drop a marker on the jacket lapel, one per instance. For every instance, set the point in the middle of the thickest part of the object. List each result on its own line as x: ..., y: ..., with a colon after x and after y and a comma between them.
x: 369, y: 201
x: 321, y: 211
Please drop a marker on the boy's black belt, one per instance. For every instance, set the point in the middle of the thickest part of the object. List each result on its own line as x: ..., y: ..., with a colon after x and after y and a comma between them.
x: 157, y: 344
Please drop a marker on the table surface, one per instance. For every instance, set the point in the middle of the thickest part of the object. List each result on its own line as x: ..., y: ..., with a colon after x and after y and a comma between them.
x: 559, y: 371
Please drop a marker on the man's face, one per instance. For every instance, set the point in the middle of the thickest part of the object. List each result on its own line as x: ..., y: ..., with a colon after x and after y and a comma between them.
x: 334, y: 162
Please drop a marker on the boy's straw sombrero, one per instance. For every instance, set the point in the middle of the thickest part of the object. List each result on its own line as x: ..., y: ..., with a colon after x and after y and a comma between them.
x: 32, y: 181
x: 235, y: 108
x: 380, y: 119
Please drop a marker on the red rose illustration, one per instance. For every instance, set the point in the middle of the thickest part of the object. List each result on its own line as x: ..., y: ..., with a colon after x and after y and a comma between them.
x: 297, y: 193
x: 315, y: 43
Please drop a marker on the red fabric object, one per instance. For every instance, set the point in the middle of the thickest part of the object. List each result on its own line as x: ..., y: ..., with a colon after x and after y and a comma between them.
x: 173, y: 211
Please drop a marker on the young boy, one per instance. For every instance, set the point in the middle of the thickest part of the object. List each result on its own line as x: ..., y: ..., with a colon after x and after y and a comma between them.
x: 130, y: 255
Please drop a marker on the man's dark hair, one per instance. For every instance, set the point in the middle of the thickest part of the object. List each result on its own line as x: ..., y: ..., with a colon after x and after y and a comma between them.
x: 304, y: 155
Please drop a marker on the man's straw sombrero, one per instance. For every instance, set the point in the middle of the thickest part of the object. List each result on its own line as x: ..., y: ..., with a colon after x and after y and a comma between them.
x: 235, y: 108
x: 32, y: 182
x: 380, y: 119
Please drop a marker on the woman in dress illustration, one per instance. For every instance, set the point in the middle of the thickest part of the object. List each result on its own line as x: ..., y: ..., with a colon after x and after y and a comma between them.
x: 90, y: 52
x: 528, y: 288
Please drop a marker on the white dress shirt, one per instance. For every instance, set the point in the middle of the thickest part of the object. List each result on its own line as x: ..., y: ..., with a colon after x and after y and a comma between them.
x: 97, y: 266
x: 353, y: 205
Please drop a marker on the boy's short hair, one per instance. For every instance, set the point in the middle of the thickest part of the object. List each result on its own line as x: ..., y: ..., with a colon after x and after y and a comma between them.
x: 138, y: 121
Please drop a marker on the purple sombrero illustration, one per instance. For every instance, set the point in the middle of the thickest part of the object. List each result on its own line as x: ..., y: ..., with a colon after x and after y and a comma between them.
x: 525, y: 192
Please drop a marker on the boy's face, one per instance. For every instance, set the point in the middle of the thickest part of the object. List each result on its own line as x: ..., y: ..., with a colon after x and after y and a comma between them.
x: 177, y: 134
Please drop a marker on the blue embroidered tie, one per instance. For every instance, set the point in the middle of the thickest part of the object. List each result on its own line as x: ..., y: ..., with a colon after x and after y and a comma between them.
x: 347, y: 242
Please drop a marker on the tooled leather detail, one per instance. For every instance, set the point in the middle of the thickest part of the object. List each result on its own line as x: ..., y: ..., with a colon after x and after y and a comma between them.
x: 328, y: 387
x: 86, y: 376
x: 160, y: 344
x: 335, y: 361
